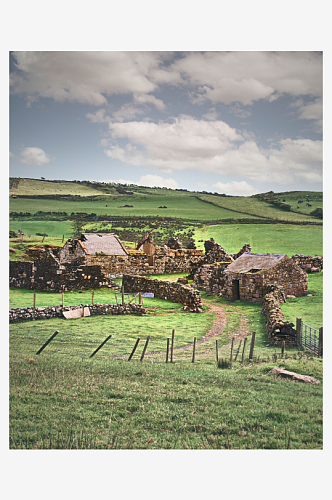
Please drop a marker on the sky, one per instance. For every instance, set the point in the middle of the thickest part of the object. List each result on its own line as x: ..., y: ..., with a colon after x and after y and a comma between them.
x: 233, y: 122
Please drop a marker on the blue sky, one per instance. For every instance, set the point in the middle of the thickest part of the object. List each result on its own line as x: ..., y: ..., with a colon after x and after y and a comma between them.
x: 231, y: 122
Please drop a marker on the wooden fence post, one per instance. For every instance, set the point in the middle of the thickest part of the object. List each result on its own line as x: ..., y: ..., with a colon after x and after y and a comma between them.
x: 217, y: 354
x: 122, y: 294
x: 34, y: 301
x: 320, y: 342
x: 194, y: 350
x: 101, y: 345
x: 298, y: 331
x: 145, y: 347
x: 282, y: 348
x: 140, y: 298
x: 232, y: 346
x: 63, y: 238
x: 135, y: 346
x: 93, y: 296
x: 167, y: 350
x: 244, y: 348
x: 172, y: 345
x: 47, y: 342
x: 237, y: 352
x: 252, y: 345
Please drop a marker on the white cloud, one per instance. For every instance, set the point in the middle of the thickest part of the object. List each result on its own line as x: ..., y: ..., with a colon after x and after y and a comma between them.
x: 157, y: 181
x: 228, y: 77
x: 248, y: 76
x: 211, y: 115
x: 189, y: 144
x: 241, y: 188
x: 85, y: 77
x: 34, y: 156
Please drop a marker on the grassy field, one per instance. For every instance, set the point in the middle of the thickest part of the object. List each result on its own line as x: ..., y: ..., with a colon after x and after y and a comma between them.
x: 265, y: 238
x: 66, y: 400
x: 36, y: 187
x: 260, y: 208
x: 63, y: 403
x: 178, y: 205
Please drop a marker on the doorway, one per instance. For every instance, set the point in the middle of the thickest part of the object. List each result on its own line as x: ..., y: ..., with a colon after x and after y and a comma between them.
x: 236, y: 290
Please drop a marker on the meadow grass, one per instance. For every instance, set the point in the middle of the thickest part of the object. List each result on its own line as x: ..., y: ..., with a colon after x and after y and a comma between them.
x: 36, y: 187
x: 63, y: 403
x: 178, y: 204
x: 265, y: 238
x: 67, y: 401
x: 257, y: 207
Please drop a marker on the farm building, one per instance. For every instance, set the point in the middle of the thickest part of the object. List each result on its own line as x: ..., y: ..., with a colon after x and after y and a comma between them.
x: 91, y: 244
x: 251, y: 276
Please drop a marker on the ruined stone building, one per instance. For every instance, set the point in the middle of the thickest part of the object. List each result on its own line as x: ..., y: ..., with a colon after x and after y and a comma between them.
x: 252, y: 275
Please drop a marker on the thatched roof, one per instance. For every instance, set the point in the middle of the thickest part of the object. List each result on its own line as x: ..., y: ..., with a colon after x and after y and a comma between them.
x: 107, y: 243
x: 254, y: 261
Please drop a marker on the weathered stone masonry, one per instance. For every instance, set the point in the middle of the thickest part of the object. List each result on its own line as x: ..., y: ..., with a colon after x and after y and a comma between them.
x: 175, y: 292
x: 278, y: 329
x: 30, y: 313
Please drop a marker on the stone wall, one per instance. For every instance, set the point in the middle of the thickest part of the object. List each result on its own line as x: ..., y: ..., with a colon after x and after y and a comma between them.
x: 278, y: 329
x: 20, y: 273
x: 214, y: 252
x: 31, y: 314
x: 175, y: 292
x: 307, y: 263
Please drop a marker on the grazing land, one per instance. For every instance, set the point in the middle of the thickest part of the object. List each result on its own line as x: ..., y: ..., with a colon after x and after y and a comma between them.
x: 63, y: 399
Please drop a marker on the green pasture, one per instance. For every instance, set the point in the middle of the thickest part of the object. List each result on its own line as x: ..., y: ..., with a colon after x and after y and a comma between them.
x: 310, y: 309
x: 33, y: 187
x: 54, y: 229
x: 254, y: 206
x: 63, y: 402
x: 265, y: 238
x: 64, y: 399
x: 178, y: 204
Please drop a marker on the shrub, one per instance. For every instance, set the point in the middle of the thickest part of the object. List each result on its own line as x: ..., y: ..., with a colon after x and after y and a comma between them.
x: 224, y: 364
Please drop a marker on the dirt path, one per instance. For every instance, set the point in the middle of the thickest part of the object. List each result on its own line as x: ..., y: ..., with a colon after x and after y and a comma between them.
x: 217, y: 328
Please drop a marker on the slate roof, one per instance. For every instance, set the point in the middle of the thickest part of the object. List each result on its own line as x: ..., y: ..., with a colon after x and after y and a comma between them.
x: 108, y: 243
x: 258, y: 261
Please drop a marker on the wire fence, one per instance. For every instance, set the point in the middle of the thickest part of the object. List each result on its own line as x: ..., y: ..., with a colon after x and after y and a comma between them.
x: 311, y: 339
x: 29, y: 343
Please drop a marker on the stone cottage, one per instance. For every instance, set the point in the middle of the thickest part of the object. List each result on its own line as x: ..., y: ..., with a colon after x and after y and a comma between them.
x: 91, y: 245
x: 251, y: 276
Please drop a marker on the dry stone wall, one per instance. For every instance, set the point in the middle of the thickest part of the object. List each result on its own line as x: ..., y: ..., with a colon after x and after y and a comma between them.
x: 31, y: 314
x: 175, y: 292
x: 307, y: 263
x: 278, y: 329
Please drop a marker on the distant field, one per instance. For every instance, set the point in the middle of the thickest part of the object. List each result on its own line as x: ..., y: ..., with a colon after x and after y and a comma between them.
x: 260, y: 208
x: 265, y: 238
x: 178, y: 205
x: 36, y: 187
x: 52, y: 228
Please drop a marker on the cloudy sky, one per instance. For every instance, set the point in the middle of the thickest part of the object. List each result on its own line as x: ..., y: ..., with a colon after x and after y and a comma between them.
x: 228, y: 122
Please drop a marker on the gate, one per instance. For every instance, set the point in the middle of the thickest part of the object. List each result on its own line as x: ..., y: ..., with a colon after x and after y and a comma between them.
x: 310, y: 338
